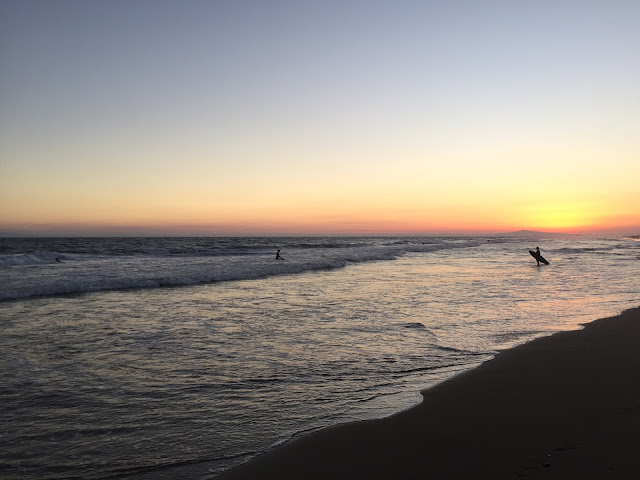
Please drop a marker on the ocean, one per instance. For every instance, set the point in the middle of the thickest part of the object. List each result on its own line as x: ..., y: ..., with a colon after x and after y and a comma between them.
x: 162, y: 358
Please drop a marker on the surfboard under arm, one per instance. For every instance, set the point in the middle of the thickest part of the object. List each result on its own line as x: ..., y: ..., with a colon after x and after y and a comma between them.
x: 538, y: 257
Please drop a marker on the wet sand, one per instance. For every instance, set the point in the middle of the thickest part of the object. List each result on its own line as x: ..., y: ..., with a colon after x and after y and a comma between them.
x: 560, y: 407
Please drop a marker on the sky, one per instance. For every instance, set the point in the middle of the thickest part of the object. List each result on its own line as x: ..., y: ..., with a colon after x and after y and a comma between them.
x: 190, y: 117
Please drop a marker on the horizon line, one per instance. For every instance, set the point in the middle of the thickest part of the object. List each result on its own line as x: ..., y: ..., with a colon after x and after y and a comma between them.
x: 146, y: 233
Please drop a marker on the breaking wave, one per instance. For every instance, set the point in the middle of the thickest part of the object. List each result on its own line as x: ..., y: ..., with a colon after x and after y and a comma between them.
x: 40, y: 273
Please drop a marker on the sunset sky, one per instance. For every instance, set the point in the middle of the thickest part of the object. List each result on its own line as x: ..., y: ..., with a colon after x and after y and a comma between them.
x: 324, y: 117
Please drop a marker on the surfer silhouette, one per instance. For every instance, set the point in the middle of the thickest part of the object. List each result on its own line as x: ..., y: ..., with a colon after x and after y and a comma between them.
x: 278, y: 257
x: 539, y: 258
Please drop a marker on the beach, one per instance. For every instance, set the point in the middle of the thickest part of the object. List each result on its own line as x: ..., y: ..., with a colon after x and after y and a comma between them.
x: 166, y: 358
x: 558, y: 407
x: 278, y: 239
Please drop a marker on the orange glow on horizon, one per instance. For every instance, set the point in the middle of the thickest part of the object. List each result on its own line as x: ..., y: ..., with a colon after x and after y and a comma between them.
x: 382, y: 205
x: 315, y: 228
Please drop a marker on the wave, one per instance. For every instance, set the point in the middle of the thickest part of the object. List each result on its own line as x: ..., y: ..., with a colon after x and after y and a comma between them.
x: 615, y: 252
x: 417, y: 325
x: 27, y: 259
x: 81, y: 273
x: 582, y: 250
x: 189, y: 247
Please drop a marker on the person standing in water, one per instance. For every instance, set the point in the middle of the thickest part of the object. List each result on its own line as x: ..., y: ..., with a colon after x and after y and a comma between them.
x: 537, y: 253
x: 278, y: 257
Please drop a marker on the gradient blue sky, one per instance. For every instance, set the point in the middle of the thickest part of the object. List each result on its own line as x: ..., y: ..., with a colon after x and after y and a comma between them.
x: 318, y: 117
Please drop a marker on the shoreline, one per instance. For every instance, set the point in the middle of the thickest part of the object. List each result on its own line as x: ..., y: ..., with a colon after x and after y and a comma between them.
x: 561, y: 406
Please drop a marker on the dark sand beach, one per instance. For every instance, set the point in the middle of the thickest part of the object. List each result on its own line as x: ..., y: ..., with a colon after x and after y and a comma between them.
x: 560, y: 407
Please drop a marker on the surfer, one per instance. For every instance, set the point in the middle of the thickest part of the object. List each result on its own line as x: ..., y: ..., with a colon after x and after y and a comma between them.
x: 539, y: 258
x: 278, y: 257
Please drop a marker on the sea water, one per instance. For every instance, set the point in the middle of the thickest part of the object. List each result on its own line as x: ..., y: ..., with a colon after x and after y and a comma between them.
x: 181, y: 357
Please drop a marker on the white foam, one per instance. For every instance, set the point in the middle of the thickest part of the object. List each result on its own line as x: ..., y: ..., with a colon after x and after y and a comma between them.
x: 88, y: 273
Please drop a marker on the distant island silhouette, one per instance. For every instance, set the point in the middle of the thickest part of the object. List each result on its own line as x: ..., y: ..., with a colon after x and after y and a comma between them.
x: 533, y: 233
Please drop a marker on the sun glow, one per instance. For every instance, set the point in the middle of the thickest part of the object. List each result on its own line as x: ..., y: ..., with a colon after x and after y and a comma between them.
x: 560, y: 216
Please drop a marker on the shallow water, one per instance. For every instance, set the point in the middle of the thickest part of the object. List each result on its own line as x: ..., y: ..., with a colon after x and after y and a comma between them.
x: 159, y: 382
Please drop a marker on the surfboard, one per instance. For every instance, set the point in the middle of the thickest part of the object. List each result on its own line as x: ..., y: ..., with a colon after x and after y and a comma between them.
x: 538, y: 257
